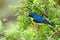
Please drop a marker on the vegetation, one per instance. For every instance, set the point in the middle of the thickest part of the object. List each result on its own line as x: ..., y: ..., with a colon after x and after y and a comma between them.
x: 26, y: 30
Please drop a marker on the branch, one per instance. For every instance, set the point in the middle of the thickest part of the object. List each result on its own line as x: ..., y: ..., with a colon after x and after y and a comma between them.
x: 48, y: 38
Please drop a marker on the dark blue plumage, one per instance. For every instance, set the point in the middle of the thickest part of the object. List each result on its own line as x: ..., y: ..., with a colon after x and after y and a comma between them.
x: 39, y: 19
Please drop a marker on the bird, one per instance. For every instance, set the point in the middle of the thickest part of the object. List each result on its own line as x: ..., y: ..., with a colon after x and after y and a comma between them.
x: 39, y: 19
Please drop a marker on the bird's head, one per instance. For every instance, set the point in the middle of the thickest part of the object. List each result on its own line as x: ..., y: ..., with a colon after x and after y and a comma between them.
x: 31, y: 14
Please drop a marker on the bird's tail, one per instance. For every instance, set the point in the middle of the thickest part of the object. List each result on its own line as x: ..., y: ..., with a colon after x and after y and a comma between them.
x: 52, y: 24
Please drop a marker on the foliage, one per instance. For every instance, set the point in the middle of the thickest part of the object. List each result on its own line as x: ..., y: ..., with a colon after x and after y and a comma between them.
x: 25, y: 30
x: 1, y: 27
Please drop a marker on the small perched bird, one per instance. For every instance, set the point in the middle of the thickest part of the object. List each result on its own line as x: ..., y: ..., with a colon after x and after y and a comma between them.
x: 39, y: 19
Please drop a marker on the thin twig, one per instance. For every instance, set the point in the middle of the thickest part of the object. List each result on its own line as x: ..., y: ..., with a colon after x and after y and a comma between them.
x: 52, y: 34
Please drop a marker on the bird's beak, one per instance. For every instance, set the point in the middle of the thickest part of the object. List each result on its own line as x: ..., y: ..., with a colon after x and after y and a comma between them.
x: 28, y: 15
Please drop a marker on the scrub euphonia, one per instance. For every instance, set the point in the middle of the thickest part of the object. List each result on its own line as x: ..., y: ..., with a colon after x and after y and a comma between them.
x: 39, y: 19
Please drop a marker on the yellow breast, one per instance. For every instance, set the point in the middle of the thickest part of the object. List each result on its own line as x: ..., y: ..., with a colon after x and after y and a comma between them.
x: 36, y: 23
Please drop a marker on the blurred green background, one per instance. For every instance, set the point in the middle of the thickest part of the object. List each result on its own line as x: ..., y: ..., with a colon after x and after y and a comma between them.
x: 15, y: 24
